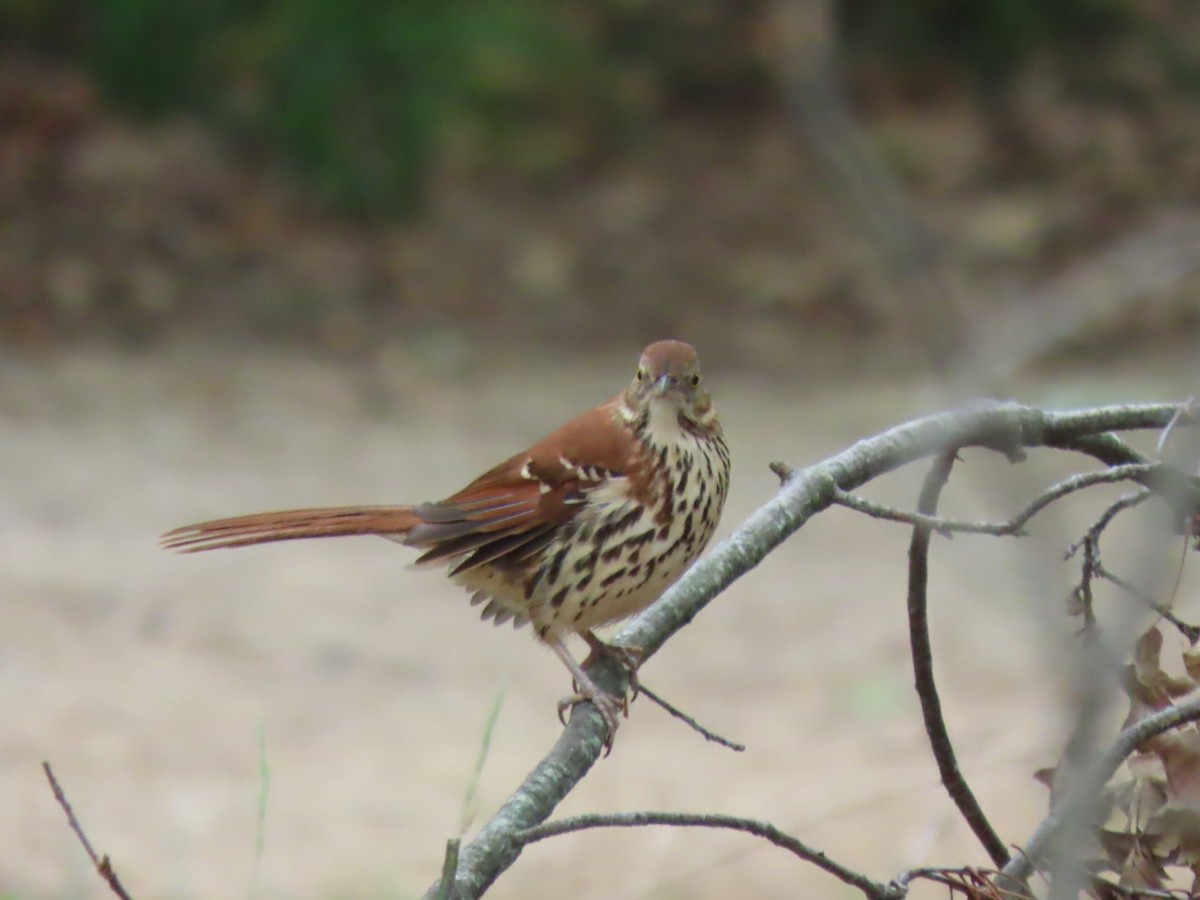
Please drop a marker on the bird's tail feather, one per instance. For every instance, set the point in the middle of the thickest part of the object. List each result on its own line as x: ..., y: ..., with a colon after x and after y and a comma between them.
x: 290, y: 525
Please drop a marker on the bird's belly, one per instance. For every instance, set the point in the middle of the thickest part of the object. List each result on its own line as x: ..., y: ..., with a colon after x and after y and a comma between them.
x: 615, y: 566
x: 580, y: 588
x: 625, y: 596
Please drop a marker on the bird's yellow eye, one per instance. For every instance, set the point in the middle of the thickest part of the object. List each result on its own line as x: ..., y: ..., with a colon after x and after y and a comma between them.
x: 695, y: 381
x: 641, y: 375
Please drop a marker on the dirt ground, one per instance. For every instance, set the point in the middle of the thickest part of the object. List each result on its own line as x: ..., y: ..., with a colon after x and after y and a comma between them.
x: 147, y: 678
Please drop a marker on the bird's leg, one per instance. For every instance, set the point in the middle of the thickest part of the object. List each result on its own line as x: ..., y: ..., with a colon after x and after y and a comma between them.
x: 606, y: 704
x: 628, y: 658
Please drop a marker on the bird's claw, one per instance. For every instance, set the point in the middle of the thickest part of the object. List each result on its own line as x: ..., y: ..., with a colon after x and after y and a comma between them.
x: 628, y: 658
x: 609, y: 707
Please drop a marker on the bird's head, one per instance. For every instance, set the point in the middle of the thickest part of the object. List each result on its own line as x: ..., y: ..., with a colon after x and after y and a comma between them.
x: 668, y: 381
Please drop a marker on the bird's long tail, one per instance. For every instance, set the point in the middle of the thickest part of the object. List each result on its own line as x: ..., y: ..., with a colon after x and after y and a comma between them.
x: 296, y: 524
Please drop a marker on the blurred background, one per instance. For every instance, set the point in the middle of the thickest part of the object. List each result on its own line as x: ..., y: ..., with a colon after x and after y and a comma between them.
x: 267, y: 254
x: 528, y: 171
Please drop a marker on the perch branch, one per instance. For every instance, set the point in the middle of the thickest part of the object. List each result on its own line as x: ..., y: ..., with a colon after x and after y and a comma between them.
x: 807, y: 492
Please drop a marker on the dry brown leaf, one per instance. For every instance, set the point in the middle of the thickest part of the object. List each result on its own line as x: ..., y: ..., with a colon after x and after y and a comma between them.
x: 1143, y: 870
x: 1191, y: 662
x: 1117, y: 846
x: 1148, y: 766
x: 1150, y: 683
x: 1147, y: 652
x: 1142, y: 801
x: 1180, y: 753
x: 1180, y: 827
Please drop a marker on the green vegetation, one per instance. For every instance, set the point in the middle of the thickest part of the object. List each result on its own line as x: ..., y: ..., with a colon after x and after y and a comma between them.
x: 365, y: 96
x: 264, y: 791
x: 988, y: 39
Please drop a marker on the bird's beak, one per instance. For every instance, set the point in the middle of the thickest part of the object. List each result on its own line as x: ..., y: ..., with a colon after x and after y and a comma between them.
x: 663, y: 384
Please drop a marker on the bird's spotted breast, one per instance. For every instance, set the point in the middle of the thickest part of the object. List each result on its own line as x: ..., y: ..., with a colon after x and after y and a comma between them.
x: 619, y: 554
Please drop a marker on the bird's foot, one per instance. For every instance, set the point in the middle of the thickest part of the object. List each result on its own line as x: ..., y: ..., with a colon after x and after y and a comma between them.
x: 628, y: 658
x: 610, y: 708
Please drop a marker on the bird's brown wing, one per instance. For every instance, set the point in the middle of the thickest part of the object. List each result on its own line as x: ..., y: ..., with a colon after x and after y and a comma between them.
x: 514, y: 510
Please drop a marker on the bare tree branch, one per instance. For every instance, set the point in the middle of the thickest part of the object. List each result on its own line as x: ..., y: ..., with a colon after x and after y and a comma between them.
x: 1090, y: 544
x: 1014, y: 527
x: 1007, y: 427
x: 102, y: 863
x: 1128, y: 501
x: 765, y: 830
x: 1093, y: 568
x: 1074, y: 807
x: 1108, y: 448
x: 922, y: 658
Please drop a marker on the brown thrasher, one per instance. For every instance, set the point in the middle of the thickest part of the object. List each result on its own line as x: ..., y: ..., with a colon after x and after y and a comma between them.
x: 588, y: 526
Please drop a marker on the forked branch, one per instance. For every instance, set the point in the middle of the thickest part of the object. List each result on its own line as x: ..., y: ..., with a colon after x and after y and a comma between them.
x: 1014, y: 527
x: 1073, y: 809
x: 1005, y: 427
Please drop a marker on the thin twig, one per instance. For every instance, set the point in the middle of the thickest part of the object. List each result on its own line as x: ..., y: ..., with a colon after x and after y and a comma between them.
x: 1093, y: 568
x: 945, y: 527
x: 1084, y: 592
x: 102, y: 863
x: 763, y: 830
x: 690, y: 722
x: 1190, y: 632
x: 1092, y: 535
x: 922, y: 657
x: 1090, y: 545
x: 1014, y: 527
x: 1083, y: 792
x: 1174, y: 592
